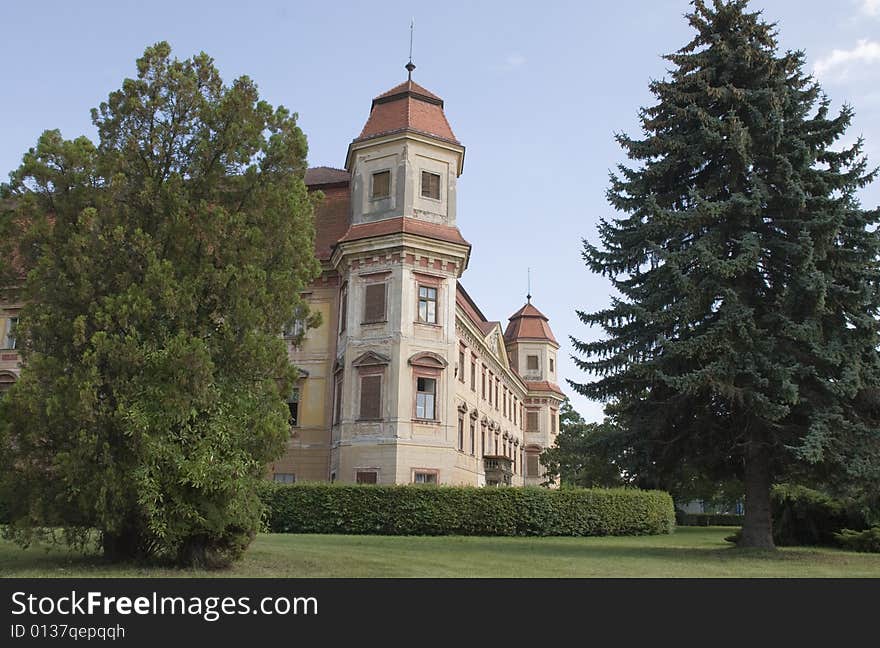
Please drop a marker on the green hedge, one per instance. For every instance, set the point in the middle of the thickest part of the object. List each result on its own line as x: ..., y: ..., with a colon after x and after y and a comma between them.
x: 447, y: 510
x: 866, y: 541
x: 803, y: 516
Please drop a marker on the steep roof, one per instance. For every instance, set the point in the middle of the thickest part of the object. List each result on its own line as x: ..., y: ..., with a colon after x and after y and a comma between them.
x: 323, y: 175
x: 407, y: 107
x: 403, y: 225
x: 528, y: 323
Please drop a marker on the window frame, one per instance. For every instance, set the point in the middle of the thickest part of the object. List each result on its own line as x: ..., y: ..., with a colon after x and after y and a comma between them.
x: 423, y: 376
x: 365, y: 375
x: 276, y: 475
x: 427, y: 301
x: 422, y: 185
x: 427, y: 472
x: 373, y: 194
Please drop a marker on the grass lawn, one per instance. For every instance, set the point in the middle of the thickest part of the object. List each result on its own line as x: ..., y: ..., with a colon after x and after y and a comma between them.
x: 689, y: 552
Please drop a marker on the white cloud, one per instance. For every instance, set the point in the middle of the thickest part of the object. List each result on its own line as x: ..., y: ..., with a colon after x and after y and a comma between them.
x: 511, y: 62
x: 840, y: 63
x: 871, y: 7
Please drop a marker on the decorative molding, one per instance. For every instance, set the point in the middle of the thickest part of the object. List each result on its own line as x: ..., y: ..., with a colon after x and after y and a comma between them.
x: 428, y: 360
x: 369, y: 359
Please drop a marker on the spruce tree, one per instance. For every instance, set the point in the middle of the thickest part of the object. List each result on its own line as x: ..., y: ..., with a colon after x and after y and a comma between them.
x: 164, y: 262
x: 744, y: 338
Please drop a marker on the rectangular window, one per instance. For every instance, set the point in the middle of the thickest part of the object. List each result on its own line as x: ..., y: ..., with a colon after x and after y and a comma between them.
x: 425, y: 477
x: 473, y: 374
x: 381, y: 185
x: 371, y: 397
x: 473, y: 438
x: 461, y: 365
x: 284, y: 478
x: 343, y: 309
x: 531, y: 421
x: 497, y: 403
x: 337, y: 401
x: 427, y: 304
x: 483, y: 444
x: 374, y: 303
x: 552, y: 365
x: 293, y: 406
x: 484, y: 383
x: 9, y: 337
x: 532, y: 363
x: 430, y: 185
x: 461, y: 434
x: 531, y: 465
x: 552, y: 422
x: 490, y: 389
x: 426, y: 390
x: 366, y: 477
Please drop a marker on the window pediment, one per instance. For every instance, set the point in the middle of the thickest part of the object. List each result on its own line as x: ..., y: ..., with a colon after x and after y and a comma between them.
x: 428, y: 360
x: 370, y: 359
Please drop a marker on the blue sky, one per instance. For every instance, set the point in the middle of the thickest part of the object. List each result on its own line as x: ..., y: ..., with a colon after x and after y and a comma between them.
x: 535, y: 91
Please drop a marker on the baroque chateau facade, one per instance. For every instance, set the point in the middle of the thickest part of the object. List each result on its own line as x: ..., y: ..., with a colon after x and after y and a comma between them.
x: 405, y: 380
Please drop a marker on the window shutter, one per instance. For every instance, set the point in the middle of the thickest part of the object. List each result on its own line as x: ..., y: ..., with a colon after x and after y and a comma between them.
x: 381, y: 184
x: 371, y: 395
x: 532, y: 363
x: 532, y: 465
x: 366, y: 477
x: 374, y: 309
x: 531, y: 422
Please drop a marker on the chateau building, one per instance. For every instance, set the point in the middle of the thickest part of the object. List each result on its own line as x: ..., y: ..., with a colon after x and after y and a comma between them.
x: 405, y: 380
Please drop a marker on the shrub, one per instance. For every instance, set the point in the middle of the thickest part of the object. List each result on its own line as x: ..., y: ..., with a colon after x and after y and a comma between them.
x: 448, y: 510
x: 803, y: 516
x: 866, y: 541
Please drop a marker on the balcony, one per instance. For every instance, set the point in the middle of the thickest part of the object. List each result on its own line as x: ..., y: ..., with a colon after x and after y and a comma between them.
x: 499, y: 470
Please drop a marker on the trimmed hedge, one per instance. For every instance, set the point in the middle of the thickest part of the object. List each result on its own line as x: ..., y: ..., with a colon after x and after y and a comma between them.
x: 803, y: 516
x: 867, y: 541
x: 707, y: 519
x: 448, y: 510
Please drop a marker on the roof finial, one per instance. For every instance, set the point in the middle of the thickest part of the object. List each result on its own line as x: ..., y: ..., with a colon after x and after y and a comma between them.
x: 529, y: 294
x: 410, y: 66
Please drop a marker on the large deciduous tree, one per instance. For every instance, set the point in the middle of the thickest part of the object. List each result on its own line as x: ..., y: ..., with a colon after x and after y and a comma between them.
x: 743, y: 342
x: 163, y: 264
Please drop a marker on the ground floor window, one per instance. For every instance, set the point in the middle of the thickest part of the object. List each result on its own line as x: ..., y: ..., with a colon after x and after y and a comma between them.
x: 284, y: 478
x: 425, y: 477
x: 367, y: 477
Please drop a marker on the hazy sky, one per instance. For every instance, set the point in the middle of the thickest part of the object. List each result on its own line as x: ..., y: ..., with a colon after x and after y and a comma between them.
x: 534, y: 90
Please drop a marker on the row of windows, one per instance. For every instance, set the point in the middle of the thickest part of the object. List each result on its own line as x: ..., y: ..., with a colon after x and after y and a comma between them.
x: 366, y: 477
x: 375, y: 304
x: 491, y: 391
x: 370, y: 404
x: 496, y: 447
x: 380, y: 187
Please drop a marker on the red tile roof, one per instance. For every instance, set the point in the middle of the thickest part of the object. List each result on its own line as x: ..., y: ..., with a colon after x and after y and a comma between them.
x: 322, y: 175
x: 528, y: 323
x: 403, y: 225
x: 545, y: 386
x: 407, y: 107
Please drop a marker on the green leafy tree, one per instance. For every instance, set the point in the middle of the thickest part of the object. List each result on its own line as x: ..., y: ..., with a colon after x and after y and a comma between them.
x: 743, y: 342
x: 164, y: 263
x: 582, y: 455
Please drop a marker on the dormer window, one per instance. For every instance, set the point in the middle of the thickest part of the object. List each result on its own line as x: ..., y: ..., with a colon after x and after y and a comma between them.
x: 430, y: 185
x: 381, y: 185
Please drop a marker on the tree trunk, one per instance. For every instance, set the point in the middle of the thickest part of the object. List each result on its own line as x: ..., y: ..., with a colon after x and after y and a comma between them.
x: 757, y: 528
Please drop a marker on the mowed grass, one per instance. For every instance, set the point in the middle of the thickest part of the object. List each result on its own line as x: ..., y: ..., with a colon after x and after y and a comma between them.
x: 689, y: 552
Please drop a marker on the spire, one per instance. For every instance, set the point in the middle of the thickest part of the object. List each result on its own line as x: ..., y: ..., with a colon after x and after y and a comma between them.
x: 529, y: 292
x: 410, y: 66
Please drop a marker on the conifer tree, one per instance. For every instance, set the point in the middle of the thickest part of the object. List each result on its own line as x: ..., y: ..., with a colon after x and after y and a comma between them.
x: 744, y: 337
x: 164, y: 262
